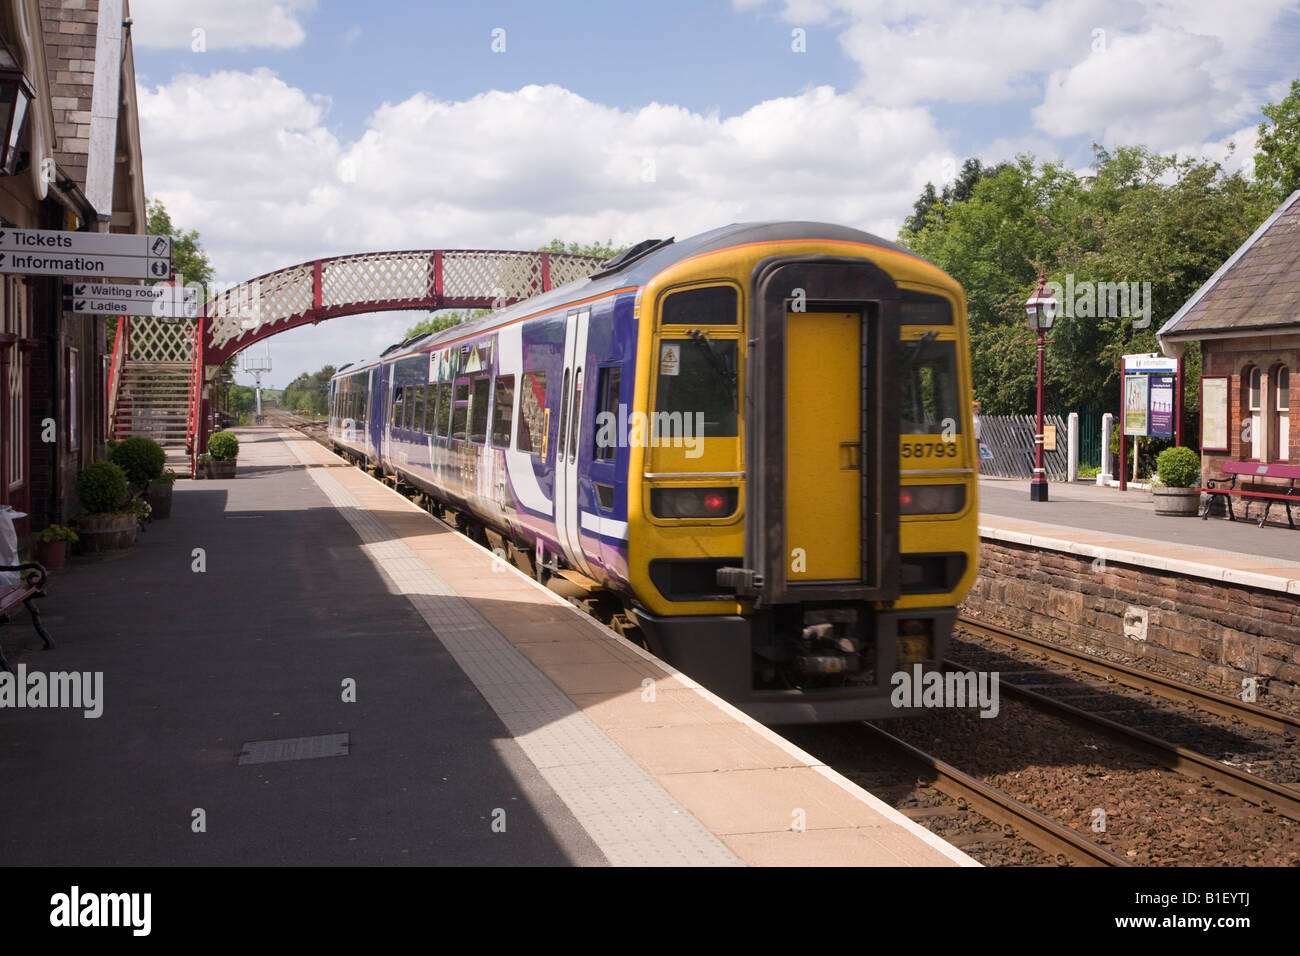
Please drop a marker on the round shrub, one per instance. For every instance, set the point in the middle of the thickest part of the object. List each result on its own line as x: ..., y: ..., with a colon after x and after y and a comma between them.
x: 1178, y: 467
x: 223, y: 446
x: 101, y: 487
x: 143, y: 459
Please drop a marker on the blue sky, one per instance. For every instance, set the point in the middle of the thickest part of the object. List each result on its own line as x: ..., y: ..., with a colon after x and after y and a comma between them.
x: 285, y: 130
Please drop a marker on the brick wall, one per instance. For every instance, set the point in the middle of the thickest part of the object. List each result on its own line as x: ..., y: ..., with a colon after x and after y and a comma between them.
x: 1197, y: 628
x: 1233, y: 357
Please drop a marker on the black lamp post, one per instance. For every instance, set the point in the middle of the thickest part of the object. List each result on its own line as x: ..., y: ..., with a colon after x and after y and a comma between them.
x: 1040, y: 312
x: 16, y: 95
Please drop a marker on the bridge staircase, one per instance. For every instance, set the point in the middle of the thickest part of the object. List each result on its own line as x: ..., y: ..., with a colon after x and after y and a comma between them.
x: 150, y: 384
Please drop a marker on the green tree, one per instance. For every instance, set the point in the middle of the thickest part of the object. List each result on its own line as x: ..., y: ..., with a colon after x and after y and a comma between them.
x: 438, y: 321
x: 308, y: 394
x: 603, y: 250
x: 188, y: 258
x: 1277, y: 155
x: 1139, y: 217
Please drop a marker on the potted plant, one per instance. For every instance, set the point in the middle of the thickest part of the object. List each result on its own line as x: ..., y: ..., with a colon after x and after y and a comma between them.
x: 107, y: 525
x: 1178, y: 470
x: 159, y: 494
x: 52, y: 546
x: 224, y: 449
x: 201, y: 466
x: 143, y: 460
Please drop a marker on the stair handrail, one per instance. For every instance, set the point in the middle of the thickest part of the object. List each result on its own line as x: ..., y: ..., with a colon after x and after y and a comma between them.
x: 196, y: 394
x: 121, y: 342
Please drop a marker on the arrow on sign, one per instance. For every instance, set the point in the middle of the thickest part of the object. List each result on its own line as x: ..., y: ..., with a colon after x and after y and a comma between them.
x: 79, y: 305
x: 80, y: 289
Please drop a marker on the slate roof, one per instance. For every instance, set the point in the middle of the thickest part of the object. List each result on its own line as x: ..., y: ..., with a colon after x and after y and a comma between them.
x: 70, y: 28
x: 1258, y: 288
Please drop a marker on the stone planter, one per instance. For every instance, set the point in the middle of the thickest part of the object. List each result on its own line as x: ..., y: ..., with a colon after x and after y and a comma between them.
x: 51, y: 554
x: 222, y: 469
x: 101, y: 534
x: 159, y: 497
x: 1182, y: 502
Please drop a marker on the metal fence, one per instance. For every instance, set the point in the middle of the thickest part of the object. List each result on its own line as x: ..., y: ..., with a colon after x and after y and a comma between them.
x: 1010, y: 439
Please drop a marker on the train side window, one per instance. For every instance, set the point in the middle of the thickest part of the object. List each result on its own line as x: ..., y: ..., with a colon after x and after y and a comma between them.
x: 415, y: 401
x: 503, y: 410
x: 444, y: 410
x: 532, y: 414
x: 425, y: 426
x: 698, y: 386
x: 714, y: 305
x: 564, y: 413
x: 929, y: 380
x: 577, y: 410
x: 399, y: 405
x: 478, y: 410
x: 607, y: 436
x: 920, y: 308
x: 460, y: 410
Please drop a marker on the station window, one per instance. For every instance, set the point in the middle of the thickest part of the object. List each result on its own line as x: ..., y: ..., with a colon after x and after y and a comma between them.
x: 478, y: 410
x: 532, y: 414
x: 1282, y: 414
x: 607, y: 387
x: 503, y: 409
x: 1251, y: 437
x: 460, y: 410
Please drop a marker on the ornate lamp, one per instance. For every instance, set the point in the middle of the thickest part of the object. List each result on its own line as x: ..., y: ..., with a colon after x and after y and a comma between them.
x: 16, y: 95
x: 1040, y: 313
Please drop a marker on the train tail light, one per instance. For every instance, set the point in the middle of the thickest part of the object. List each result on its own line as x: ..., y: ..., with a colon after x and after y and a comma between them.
x: 705, y: 503
x: 931, y: 499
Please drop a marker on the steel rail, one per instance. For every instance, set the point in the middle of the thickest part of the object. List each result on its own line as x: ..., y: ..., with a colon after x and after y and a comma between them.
x: 1219, y: 704
x: 1035, y: 827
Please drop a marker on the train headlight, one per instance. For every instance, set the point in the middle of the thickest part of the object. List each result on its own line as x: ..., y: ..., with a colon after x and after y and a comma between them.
x: 931, y: 499
x: 693, y: 502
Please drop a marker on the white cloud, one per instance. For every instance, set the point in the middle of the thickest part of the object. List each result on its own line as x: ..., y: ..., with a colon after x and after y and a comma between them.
x: 1160, y: 72
x: 249, y: 161
x: 223, y: 23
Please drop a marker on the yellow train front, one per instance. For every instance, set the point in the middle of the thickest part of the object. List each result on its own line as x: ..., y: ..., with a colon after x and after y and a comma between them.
x: 815, y: 536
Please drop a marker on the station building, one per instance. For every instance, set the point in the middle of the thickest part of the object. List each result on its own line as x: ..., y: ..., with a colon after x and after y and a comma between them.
x: 1247, y: 319
x: 72, y: 161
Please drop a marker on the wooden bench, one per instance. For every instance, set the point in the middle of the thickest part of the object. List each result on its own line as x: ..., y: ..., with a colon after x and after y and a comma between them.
x: 1226, y: 487
x: 31, y: 585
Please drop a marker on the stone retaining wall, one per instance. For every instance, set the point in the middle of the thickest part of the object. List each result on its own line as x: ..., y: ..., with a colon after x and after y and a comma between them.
x: 1216, y: 632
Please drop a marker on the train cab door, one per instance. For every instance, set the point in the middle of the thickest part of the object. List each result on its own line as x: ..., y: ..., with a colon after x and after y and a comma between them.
x: 568, y: 517
x: 823, y: 445
x: 822, y: 515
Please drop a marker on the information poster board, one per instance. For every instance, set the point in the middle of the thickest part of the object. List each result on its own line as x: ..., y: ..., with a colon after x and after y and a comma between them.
x: 1137, y: 396
x: 1214, y: 413
x: 1161, y: 406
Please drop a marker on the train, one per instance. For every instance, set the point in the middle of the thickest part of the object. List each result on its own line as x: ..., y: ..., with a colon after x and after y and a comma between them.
x: 752, y: 449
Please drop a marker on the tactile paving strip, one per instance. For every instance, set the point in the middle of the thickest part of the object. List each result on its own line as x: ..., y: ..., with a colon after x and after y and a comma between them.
x: 629, y: 816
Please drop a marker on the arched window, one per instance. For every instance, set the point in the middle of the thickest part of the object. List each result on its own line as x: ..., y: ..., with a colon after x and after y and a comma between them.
x: 1251, y: 432
x: 1282, y: 412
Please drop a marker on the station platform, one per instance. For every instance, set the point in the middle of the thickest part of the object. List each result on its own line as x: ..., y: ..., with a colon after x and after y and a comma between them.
x: 301, y: 667
x: 1122, y: 526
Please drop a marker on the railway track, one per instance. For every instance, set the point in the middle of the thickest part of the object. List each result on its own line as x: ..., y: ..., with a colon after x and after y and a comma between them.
x: 955, y: 803
x: 1144, y: 681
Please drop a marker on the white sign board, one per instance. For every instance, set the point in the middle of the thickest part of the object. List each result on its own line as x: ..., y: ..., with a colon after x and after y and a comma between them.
x: 84, y: 243
x: 130, y: 293
x: 59, y: 264
x: 163, y: 308
x: 1150, y: 362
